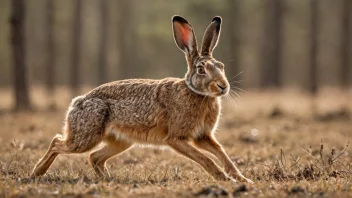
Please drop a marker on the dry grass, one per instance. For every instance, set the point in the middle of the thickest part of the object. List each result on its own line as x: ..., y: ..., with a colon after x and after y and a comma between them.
x: 273, y: 137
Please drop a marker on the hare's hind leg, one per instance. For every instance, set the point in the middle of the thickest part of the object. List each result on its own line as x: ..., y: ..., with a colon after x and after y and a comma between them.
x: 84, y: 129
x: 99, y: 157
x: 56, y: 146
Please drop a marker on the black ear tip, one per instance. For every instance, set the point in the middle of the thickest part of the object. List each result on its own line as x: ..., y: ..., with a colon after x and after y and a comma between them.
x: 217, y: 19
x: 179, y: 19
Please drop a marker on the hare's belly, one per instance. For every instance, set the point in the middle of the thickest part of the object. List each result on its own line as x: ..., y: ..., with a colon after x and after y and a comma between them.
x: 138, y: 134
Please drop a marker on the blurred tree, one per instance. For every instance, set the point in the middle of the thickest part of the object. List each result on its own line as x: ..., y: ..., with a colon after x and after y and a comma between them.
x: 22, y: 101
x: 272, y: 44
x: 50, y: 61
x: 345, y: 42
x: 314, y: 22
x: 125, y: 35
x: 76, y: 46
x: 103, y: 35
x: 102, y: 64
x: 233, y: 50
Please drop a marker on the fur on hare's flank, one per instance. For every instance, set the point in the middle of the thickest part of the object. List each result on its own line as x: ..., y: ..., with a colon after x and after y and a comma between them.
x: 181, y: 113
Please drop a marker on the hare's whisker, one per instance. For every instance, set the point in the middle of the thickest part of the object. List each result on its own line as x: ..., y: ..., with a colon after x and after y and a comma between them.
x: 234, y: 92
x: 234, y: 82
x: 238, y: 89
x: 232, y: 99
x: 237, y: 75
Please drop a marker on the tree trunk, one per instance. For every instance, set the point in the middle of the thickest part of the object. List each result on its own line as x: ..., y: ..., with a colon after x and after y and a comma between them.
x: 313, y: 46
x: 125, y: 39
x: 22, y: 101
x: 232, y: 65
x: 102, y: 65
x: 345, y: 43
x: 272, y: 45
x: 76, y: 46
x: 50, y: 64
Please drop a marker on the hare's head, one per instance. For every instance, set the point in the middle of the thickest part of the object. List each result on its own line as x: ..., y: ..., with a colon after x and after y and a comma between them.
x: 205, y: 75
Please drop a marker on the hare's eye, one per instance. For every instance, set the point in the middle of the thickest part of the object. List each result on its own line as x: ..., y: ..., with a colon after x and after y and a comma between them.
x: 200, y: 70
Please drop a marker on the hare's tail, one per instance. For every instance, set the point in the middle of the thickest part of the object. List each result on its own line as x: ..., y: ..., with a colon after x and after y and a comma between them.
x: 85, y: 123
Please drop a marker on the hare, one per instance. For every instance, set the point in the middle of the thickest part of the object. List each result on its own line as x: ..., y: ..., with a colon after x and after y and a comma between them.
x: 181, y: 113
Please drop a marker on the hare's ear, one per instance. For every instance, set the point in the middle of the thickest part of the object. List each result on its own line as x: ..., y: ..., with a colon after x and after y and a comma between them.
x: 211, y: 37
x: 184, y: 36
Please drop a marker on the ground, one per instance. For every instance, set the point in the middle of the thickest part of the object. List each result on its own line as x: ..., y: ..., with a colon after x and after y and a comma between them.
x: 287, y: 143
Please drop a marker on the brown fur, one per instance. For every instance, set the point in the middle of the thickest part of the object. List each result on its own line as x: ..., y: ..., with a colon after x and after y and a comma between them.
x: 172, y: 111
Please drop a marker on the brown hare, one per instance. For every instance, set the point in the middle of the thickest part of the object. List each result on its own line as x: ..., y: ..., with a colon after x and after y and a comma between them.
x: 181, y: 113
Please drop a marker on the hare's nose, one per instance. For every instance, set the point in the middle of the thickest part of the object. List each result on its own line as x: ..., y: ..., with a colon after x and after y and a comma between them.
x: 221, y: 87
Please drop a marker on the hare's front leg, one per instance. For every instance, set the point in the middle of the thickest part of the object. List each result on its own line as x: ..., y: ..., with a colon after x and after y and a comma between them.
x: 210, y: 144
x: 99, y: 157
x: 187, y: 150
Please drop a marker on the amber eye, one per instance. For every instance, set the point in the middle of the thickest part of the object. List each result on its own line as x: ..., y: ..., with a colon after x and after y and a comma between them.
x: 200, y: 70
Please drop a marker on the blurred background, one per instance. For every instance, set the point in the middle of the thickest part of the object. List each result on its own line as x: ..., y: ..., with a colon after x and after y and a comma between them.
x: 48, y: 47
x: 289, y: 62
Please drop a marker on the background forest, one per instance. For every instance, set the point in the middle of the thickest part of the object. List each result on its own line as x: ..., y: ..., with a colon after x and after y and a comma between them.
x: 273, y: 43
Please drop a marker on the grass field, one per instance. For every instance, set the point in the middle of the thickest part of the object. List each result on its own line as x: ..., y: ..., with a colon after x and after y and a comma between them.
x: 273, y: 137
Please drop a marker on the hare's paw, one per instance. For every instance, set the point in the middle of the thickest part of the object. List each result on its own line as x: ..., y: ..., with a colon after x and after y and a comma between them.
x: 240, y: 178
x: 248, y: 180
x: 220, y: 176
x: 232, y: 179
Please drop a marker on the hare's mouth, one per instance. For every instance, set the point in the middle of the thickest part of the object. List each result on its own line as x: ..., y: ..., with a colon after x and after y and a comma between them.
x: 218, y: 90
x: 222, y: 93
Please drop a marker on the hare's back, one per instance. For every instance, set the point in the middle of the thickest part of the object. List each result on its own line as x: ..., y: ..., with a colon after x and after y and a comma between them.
x: 131, y: 89
x: 136, y: 101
